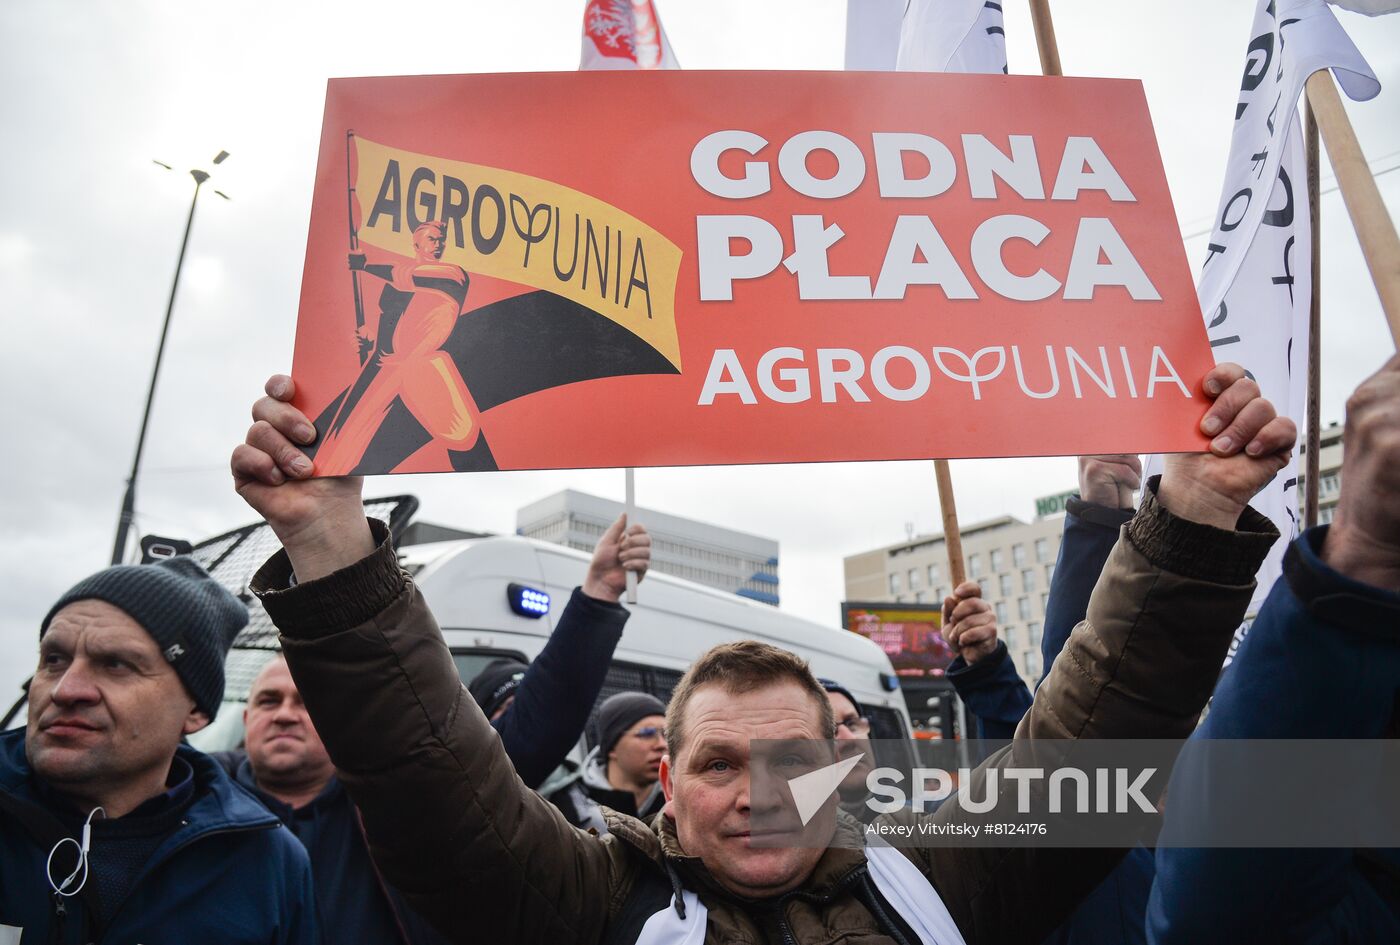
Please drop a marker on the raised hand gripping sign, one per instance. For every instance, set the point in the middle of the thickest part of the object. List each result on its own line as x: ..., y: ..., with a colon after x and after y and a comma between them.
x: 679, y: 268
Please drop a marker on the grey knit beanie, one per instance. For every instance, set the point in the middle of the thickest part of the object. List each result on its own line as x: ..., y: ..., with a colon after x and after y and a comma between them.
x: 620, y: 712
x: 191, y: 616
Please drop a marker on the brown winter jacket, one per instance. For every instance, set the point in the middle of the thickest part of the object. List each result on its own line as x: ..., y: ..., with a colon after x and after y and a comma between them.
x: 487, y: 860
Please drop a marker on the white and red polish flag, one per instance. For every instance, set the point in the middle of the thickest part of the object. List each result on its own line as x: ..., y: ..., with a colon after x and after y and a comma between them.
x: 1255, y: 286
x: 624, y: 34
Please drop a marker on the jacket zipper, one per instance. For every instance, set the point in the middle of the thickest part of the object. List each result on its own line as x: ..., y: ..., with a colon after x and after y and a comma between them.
x: 60, y: 912
x: 859, y: 875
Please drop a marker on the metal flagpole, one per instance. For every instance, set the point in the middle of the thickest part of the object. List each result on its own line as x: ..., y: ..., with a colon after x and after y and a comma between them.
x: 1314, y: 432
x: 1375, y: 231
x: 631, y: 510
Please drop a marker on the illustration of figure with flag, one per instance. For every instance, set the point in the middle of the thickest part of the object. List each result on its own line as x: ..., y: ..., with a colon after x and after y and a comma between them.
x: 407, y: 361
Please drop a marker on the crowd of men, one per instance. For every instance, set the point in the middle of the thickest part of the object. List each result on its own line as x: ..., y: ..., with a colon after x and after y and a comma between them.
x: 377, y: 799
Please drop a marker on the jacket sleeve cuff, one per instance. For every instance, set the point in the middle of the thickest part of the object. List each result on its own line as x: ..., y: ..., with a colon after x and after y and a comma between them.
x: 346, y: 598
x: 1101, y: 515
x: 608, y: 610
x: 1199, y: 551
x: 965, y: 676
x: 1330, y: 596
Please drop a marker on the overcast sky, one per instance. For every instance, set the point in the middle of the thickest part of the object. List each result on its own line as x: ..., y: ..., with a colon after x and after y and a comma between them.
x: 90, y: 228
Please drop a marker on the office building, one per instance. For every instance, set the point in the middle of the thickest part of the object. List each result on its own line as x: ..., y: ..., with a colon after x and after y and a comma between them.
x: 1012, y: 559
x: 730, y: 560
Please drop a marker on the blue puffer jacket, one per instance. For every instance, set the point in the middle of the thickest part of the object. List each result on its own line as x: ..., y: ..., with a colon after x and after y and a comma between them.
x: 1322, y: 660
x: 229, y: 873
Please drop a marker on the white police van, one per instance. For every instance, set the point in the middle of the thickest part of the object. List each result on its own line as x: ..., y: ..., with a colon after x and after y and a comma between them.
x: 498, y: 596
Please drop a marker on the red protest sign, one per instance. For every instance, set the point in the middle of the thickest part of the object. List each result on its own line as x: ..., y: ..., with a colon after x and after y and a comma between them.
x: 618, y: 269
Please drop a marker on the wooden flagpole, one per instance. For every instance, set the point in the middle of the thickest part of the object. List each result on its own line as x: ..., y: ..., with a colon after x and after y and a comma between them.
x: 631, y: 510
x: 952, y: 538
x: 1374, y: 228
x: 1045, y: 38
x: 1314, y: 432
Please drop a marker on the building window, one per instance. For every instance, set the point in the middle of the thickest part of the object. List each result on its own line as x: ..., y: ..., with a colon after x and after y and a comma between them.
x: 913, y: 578
x: 1018, y: 555
x: 940, y: 594
x: 1033, y: 663
x: 1033, y: 633
x: 894, y: 583
x: 1045, y: 603
x: 1011, y: 638
x: 918, y: 597
x: 1042, y: 549
x: 932, y: 575
x: 998, y: 560
x: 1005, y: 582
x: 1050, y: 573
x: 1028, y: 580
x: 974, y: 565
x: 1001, y: 612
x: 1023, y: 608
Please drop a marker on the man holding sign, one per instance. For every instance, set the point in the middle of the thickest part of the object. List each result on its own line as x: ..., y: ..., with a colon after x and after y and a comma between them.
x: 489, y: 859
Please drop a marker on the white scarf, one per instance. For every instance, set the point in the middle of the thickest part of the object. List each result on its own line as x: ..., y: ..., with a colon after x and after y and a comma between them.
x: 899, y: 881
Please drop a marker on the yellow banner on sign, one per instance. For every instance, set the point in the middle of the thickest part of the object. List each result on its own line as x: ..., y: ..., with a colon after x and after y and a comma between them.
x: 525, y: 230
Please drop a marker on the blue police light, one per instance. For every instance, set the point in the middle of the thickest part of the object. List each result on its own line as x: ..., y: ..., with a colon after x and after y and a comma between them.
x: 526, y: 601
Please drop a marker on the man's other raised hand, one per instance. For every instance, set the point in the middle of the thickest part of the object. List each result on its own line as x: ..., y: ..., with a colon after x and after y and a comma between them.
x: 1250, y: 444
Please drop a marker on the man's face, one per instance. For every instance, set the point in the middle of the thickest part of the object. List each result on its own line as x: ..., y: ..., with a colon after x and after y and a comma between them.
x: 430, y: 244
x: 708, y: 790
x: 281, y: 742
x: 637, y: 754
x: 852, y: 738
x: 105, y: 708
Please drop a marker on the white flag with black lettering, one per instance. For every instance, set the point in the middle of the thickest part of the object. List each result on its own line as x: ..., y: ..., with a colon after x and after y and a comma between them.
x: 952, y: 36
x: 925, y: 35
x: 624, y: 34
x: 1255, y: 286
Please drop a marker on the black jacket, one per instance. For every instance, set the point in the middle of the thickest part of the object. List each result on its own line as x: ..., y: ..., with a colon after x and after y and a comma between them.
x: 556, y: 697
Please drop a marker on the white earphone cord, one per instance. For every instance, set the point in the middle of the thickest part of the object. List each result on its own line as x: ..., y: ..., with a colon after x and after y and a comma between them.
x: 82, y: 867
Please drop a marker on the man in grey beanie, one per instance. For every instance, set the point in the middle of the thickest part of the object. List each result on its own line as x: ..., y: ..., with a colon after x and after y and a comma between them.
x: 110, y: 828
x: 622, y: 770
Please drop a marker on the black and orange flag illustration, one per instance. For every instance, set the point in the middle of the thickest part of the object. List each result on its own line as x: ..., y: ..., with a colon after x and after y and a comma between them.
x: 602, y: 269
x: 427, y: 371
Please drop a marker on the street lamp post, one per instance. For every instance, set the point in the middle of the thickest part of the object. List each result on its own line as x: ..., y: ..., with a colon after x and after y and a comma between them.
x: 128, y: 512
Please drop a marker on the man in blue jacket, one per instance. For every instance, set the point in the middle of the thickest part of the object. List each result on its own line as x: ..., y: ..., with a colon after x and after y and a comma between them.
x: 539, y: 712
x: 113, y: 831
x: 1322, y: 660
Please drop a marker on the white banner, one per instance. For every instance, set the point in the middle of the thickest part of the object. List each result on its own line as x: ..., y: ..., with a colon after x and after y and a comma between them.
x: 952, y: 36
x: 925, y: 35
x: 872, y: 34
x: 1256, y: 283
x: 624, y: 34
